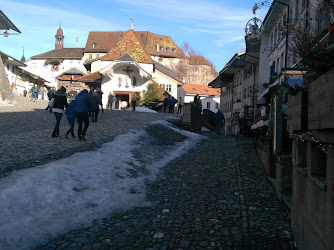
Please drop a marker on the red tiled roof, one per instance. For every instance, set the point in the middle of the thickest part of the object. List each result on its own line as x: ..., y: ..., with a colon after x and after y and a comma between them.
x: 131, y: 45
x: 90, y: 77
x: 200, y: 89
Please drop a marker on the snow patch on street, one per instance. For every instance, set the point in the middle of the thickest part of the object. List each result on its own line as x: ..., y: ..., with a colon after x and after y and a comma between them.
x: 40, y: 203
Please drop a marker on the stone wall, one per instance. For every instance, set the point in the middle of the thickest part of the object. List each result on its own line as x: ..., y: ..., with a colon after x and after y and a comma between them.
x: 312, y: 199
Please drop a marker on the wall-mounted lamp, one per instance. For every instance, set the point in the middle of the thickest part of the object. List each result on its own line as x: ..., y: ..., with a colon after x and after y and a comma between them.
x: 5, y: 34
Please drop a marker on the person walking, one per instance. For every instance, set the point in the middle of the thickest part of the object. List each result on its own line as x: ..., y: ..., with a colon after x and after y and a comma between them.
x: 60, y: 102
x: 172, y: 102
x: 134, y: 103
x: 50, y: 95
x: 219, y: 119
x: 100, y: 93
x: 71, y: 115
x: 94, y: 108
x: 110, y: 101
x: 166, y: 102
x: 235, y: 123
x: 179, y: 108
x: 34, y: 91
x: 82, y: 103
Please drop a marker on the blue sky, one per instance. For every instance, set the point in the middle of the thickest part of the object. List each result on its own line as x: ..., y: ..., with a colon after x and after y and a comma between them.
x: 213, y: 28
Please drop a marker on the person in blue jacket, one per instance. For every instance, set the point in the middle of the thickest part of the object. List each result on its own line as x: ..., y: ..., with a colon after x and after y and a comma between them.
x: 82, y: 103
x: 219, y: 119
x: 71, y: 115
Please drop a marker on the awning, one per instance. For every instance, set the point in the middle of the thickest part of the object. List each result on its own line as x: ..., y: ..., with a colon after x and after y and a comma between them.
x: 127, y: 67
x: 6, y: 24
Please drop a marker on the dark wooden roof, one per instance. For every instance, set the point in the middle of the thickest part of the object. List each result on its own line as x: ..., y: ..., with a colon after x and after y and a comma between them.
x: 92, y: 77
x: 167, y: 71
x: 65, y: 53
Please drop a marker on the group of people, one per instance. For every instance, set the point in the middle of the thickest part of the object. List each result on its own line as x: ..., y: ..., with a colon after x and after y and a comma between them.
x: 80, y: 108
x: 35, y: 93
x: 170, y: 103
x: 220, y: 122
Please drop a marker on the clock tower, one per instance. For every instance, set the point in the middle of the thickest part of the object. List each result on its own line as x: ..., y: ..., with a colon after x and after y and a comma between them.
x: 59, y: 39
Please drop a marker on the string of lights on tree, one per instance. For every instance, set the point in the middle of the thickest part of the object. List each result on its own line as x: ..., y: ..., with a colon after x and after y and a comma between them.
x: 307, y: 135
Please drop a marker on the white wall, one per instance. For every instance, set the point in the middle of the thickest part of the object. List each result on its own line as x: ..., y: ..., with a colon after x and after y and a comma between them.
x: 39, y: 68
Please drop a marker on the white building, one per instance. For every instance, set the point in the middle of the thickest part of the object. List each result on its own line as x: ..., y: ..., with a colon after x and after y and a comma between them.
x: 210, y: 97
x: 50, y: 64
x: 126, y: 70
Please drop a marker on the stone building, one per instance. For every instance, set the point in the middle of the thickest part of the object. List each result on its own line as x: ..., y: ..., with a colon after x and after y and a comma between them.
x: 296, y: 144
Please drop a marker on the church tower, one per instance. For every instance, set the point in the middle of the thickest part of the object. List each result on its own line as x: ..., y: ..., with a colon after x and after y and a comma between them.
x: 59, y: 39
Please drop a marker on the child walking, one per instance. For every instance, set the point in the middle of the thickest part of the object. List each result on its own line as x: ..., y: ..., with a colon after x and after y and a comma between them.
x: 71, y: 115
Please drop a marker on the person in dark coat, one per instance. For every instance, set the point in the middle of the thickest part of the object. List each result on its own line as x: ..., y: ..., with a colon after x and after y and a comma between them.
x: 82, y: 103
x: 71, y: 115
x: 100, y: 93
x: 94, y: 108
x: 59, y: 104
x: 166, y: 102
x: 50, y: 95
x: 219, y: 119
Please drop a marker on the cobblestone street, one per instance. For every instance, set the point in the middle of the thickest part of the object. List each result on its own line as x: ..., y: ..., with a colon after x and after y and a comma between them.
x: 216, y: 196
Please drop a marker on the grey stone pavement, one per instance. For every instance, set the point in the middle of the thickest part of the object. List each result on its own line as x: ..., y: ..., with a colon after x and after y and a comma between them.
x: 214, y: 197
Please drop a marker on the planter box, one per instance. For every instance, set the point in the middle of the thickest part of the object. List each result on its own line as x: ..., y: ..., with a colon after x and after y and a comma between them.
x: 321, y: 102
x: 297, y: 112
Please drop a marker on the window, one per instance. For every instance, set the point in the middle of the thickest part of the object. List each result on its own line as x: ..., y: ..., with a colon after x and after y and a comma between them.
x: 162, y: 86
x: 282, y: 60
x: 161, y: 49
x: 90, y: 56
x: 167, y: 49
x: 208, y: 105
x: 174, y: 51
x: 94, y: 45
x: 278, y: 68
x: 296, y: 9
x: 55, y: 67
x: 168, y: 62
x: 217, y: 105
x: 168, y: 88
x: 97, y: 55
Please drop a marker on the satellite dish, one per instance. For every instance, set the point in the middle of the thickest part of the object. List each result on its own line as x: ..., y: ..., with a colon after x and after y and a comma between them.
x: 224, y: 89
